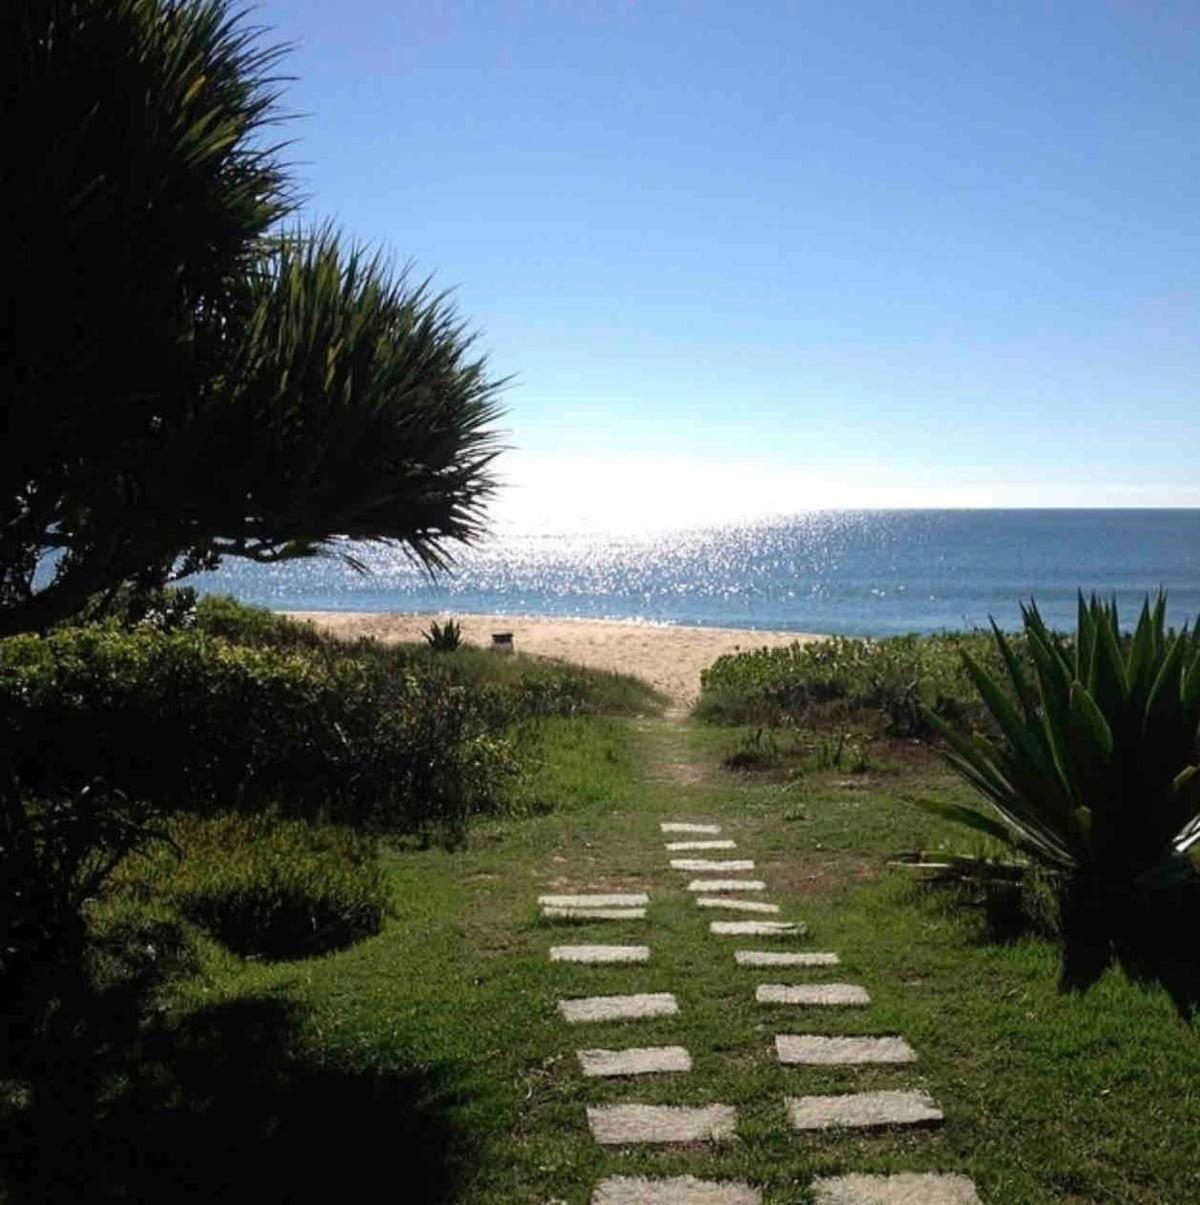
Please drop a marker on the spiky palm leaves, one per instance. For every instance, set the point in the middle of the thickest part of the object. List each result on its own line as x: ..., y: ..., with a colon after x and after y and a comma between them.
x: 1096, y: 773
x: 180, y: 381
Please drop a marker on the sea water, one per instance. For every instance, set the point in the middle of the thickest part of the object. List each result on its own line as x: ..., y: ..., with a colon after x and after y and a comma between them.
x: 856, y: 573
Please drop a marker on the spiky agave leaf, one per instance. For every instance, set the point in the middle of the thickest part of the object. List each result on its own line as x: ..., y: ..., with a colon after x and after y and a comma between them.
x: 1096, y: 769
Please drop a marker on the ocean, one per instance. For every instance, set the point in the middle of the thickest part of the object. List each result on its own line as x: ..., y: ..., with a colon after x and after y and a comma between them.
x: 853, y: 573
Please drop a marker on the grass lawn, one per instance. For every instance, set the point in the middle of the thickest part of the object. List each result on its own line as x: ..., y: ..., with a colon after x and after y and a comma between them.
x: 428, y: 1064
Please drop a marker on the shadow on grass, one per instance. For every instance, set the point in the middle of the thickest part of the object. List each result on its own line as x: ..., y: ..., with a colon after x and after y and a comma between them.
x: 223, y: 1106
x: 1151, y: 940
x: 1147, y: 937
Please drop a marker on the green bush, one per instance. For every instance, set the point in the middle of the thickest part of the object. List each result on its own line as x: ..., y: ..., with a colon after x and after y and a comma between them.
x: 188, y: 721
x: 902, y: 678
x: 529, y: 687
x: 222, y: 615
x: 266, y: 887
x: 57, y: 852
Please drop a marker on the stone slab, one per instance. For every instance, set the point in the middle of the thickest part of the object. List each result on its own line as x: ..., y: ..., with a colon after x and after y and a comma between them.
x: 831, y: 994
x: 615, y: 1125
x: 817, y: 1050
x: 722, y: 901
x: 707, y: 864
x: 675, y: 1190
x: 674, y: 846
x: 757, y: 928
x: 772, y: 958
x: 637, y: 1060
x: 862, y: 1110
x: 678, y: 826
x: 631, y: 900
x: 618, y: 1008
x: 594, y: 913
x: 727, y: 885
x: 907, y: 1188
x: 599, y: 954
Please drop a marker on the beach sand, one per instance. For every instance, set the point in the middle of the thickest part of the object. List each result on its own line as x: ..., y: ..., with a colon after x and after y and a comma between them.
x: 669, y: 657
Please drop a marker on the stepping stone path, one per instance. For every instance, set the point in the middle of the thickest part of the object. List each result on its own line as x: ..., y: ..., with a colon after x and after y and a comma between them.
x: 594, y: 913
x: 770, y: 958
x: 617, y: 1125
x: 833, y: 994
x: 862, y: 1110
x: 682, y: 845
x: 907, y: 1188
x: 708, y: 864
x: 678, y: 1190
x: 757, y: 928
x: 634, y: 1123
x: 716, y: 901
x: 618, y: 1008
x: 816, y: 1050
x: 727, y: 885
x: 599, y: 954
x: 638, y: 900
x: 637, y: 1060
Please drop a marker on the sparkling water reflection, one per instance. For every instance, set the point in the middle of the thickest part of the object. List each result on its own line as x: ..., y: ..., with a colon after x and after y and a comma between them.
x: 856, y: 573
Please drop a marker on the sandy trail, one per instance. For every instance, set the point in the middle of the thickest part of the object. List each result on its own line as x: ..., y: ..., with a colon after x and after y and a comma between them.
x: 670, y: 658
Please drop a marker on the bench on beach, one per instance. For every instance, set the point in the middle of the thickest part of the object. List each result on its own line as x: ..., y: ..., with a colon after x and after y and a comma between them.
x: 502, y: 642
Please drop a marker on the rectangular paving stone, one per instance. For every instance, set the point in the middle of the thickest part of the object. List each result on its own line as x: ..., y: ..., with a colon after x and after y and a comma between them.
x: 831, y: 994
x: 816, y: 1050
x: 706, y: 864
x: 637, y: 899
x: 772, y: 958
x: 637, y: 1060
x: 675, y: 1190
x: 615, y: 1125
x: 594, y: 913
x: 677, y: 826
x: 727, y: 885
x: 862, y: 1110
x: 618, y: 1008
x: 599, y: 953
x: 905, y: 1188
x: 682, y: 845
x: 721, y: 901
x: 757, y: 928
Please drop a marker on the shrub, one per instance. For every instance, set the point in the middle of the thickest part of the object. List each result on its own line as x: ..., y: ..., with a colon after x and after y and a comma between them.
x: 269, y: 888
x: 222, y: 615
x: 1096, y: 775
x: 903, y: 678
x: 57, y: 852
x: 443, y: 637
x: 187, y: 721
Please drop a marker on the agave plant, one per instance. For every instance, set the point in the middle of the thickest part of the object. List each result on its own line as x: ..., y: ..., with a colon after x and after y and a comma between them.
x: 1096, y: 774
x: 443, y: 637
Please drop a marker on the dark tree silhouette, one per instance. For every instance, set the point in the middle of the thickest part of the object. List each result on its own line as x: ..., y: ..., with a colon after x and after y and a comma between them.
x: 182, y: 378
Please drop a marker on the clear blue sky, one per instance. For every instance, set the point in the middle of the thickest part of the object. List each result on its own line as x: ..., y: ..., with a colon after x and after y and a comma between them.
x: 842, y: 254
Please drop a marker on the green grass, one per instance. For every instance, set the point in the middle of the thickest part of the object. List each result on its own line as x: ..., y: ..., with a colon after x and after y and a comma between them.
x: 432, y: 1056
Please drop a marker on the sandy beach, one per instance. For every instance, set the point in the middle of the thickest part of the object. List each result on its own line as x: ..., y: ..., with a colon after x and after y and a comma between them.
x: 667, y: 656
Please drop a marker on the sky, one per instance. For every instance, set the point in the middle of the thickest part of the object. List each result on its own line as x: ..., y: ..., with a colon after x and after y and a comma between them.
x: 753, y: 258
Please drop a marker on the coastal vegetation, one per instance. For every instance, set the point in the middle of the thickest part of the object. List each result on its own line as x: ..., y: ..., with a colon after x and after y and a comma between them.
x: 897, y: 682
x: 189, y: 373
x: 1082, y: 752
x: 435, y: 1046
x: 267, y: 922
